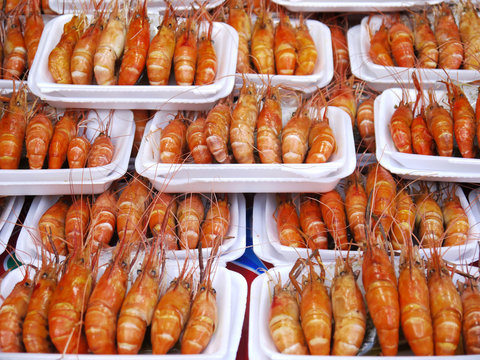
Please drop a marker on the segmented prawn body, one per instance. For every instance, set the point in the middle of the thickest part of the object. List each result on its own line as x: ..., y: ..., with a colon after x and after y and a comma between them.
x: 269, y: 128
x: 348, y: 310
x: 340, y: 51
x: 141, y: 117
x: 243, y: 124
x: 65, y: 130
x: 104, y: 305
x: 333, y: 214
x: 312, y: 224
x: 404, y: 221
x: 288, y: 224
x: 197, y: 141
x: 185, y: 54
x: 365, y: 124
x: 171, y: 314
x: 356, y: 201
x: 379, y: 50
x: 470, y: 295
x: 12, y: 315
x: 306, y: 50
x: 381, y: 187
x: 425, y: 42
x: 295, y: 138
x: 33, y: 29
x: 445, y: 307
x: 102, y: 151
x: 136, y: 46
x: 102, y: 222
x: 400, y: 38
x: 456, y: 221
x: 216, y: 223
x: 69, y: 303
x: 463, y: 120
x: 81, y: 65
x: 448, y: 38
x: 414, y: 302
x: 190, y: 213
x: 240, y: 21
x: 110, y: 48
x: 429, y: 219
x: 60, y: 57
x: 76, y: 223
x: 12, y: 130
x: 164, y: 205
x: 285, y: 46
x: 131, y: 206
x: 262, y: 44
x: 217, y: 130
x: 51, y: 227
x: 161, y: 50
x: 422, y: 140
x: 469, y: 27
x: 381, y: 295
x: 35, y: 326
x: 173, y: 141
x: 206, y: 59
x: 284, y: 322
x: 77, y: 152
x: 400, y: 124
x: 321, y: 142
x: 343, y: 96
x: 14, y: 49
x: 139, y: 304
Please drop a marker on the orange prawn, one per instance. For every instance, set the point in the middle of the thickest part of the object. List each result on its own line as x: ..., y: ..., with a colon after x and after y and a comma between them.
x: 102, y: 151
x: 344, y: 97
x: 51, y: 227
x: 262, y: 44
x: 448, y: 38
x: 306, y: 50
x: 160, y: 204
x: 141, y: 118
x: 456, y: 221
x: 285, y: 46
x: 379, y: 50
x: 400, y: 124
x: 206, y: 57
x: 404, y: 221
x: 217, y: 130
x: 312, y: 224
x: 295, y: 137
x: 365, y: 124
x: 269, y: 128
x: 288, y: 223
x: 33, y: 29
x: 356, y: 201
x: 37, y: 139
x: 425, y: 42
x: 400, y: 38
x: 340, y: 51
x: 321, y: 142
x: 136, y: 46
x: 190, y: 214
x: 77, y: 152
x: 469, y: 32
x: 216, y: 223
x: 64, y: 131
x: 185, y: 54
x: 15, y: 51
x: 333, y: 213
x: 470, y: 295
x: 76, y: 223
x: 173, y: 141
x: 197, y: 141
x: 422, y: 140
x: 102, y: 221
x: 429, y: 220
x: 240, y: 21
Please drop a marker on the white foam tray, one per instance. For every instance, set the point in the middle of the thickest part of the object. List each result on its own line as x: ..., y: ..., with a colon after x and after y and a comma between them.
x: 166, y: 97
x: 352, y: 5
x: 28, y: 248
x: 426, y: 167
x: 70, y: 6
x: 8, y: 220
x: 242, y: 177
x: 260, y: 343
x: 364, y: 68
x: 267, y: 245
x: 231, y: 291
x: 323, y: 71
x: 121, y: 132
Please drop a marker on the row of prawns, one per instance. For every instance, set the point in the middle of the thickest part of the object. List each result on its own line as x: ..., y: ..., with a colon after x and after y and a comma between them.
x: 66, y: 224
x: 86, y: 51
x: 19, y: 42
x: 431, y: 311
x: 305, y: 137
x: 399, y: 213
x: 282, y: 50
x: 42, y: 135
x: 449, y: 46
x: 65, y: 309
x: 432, y: 129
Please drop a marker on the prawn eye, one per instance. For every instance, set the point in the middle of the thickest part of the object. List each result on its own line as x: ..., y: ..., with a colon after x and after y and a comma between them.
x: 18, y: 103
x: 187, y: 285
x: 27, y: 284
x: 139, y: 271
x: 214, y: 291
x: 137, y: 15
x: 202, y: 288
x: 124, y: 264
x: 153, y: 272
x: 44, y: 275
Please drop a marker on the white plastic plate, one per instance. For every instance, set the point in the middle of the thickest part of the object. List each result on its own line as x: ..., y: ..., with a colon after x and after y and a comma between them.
x: 239, y: 177
x: 322, y: 74
x: 352, y: 5
x: 6, y: 210
x: 121, y: 132
x: 10, y: 221
x: 28, y: 248
x: 394, y: 74
x: 42, y: 84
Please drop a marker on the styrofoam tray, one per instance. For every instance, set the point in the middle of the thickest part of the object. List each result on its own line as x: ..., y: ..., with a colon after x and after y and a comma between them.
x: 42, y: 84
x: 267, y: 245
x: 240, y: 177
x: 322, y: 74
x: 352, y: 5
x: 70, y: 6
x: 121, y: 132
x: 10, y: 220
x: 260, y: 343
x: 426, y: 167
x: 364, y: 68
x: 28, y: 248
x: 7, y: 209
x: 231, y: 291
